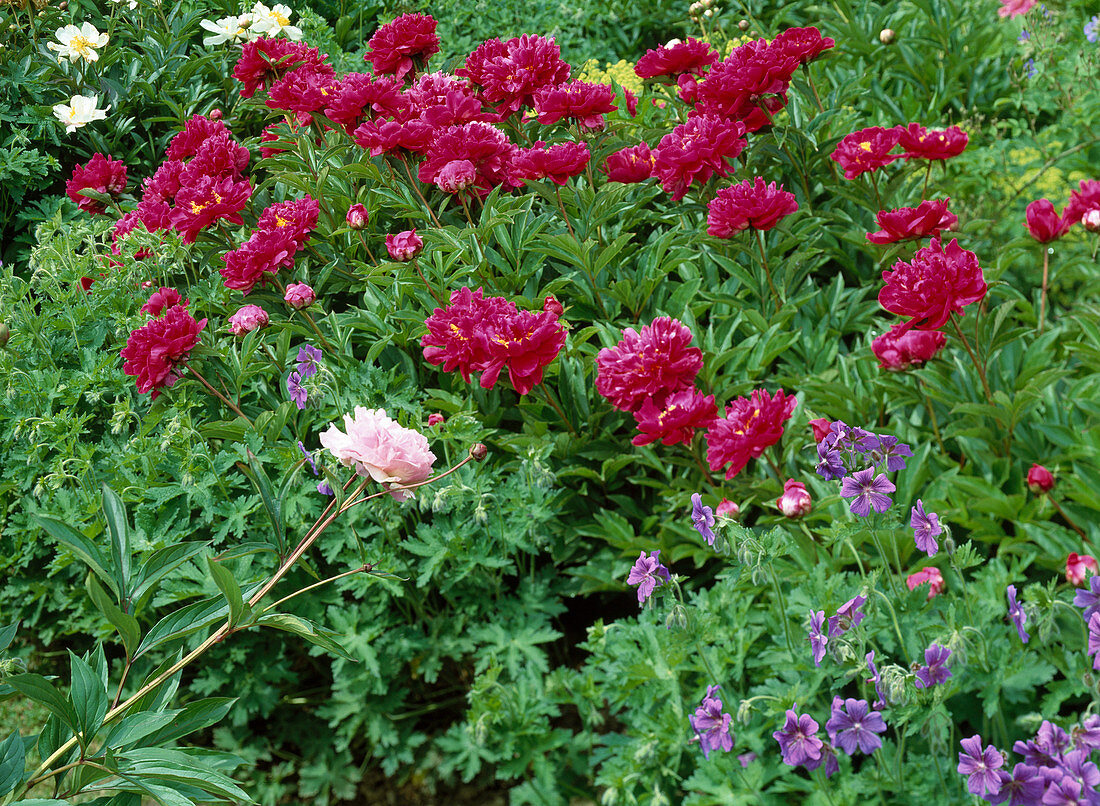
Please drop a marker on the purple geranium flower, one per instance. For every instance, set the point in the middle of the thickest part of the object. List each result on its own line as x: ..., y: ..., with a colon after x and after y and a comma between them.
x: 1024, y: 786
x: 847, y: 616
x: 1088, y: 733
x: 1077, y: 764
x: 746, y: 759
x: 818, y: 640
x: 1016, y: 613
x: 831, y: 466
x: 1089, y: 599
x: 309, y: 458
x: 297, y: 392
x: 703, y: 518
x: 869, y: 491
x: 1094, y: 640
x: 828, y: 758
x: 308, y: 356
x: 1046, y: 749
x: 1066, y: 792
x: 853, y: 725
x: 711, y: 726
x: 926, y: 525
x: 798, y: 740
x: 647, y: 573
x: 893, y: 452
x: 934, y: 671
x: 324, y: 488
x: 980, y: 766
x: 876, y: 679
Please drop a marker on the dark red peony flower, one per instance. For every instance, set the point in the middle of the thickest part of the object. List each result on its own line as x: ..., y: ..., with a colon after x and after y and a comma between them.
x: 265, y: 60
x: 630, y: 165
x: 557, y: 163
x: 510, y: 73
x: 676, y: 420
x: 295, y: 217
x: 920, y: 143
x: 163, y: 185
x: 403, y: 44
x: 697, y: 150
x: 578, y: 100
x: 936, y: 284
x: 155, y: 215
x: 898, y: 348
x: 525, y: 342
x: 443, y: 100
x: 476, y: 67
x: 689, y: 56
x: 101, y: 174
x: 195, y: 133
x: 748, y: 204
x: 307, y: 88
x: 154, y: 350
x: 454, y: 338
x: 219, y: 157
x: 1043, y: 222
x: 1085, y: 198
x: 648, y: 364
x: 163, y: 299
x: 736, y: 86
x: 801, y: 44
x: 390, y: 137
x: 404, y: 246
x: 484, y: 145
x: 208, y: 200
x: 357, y: 96
x: 751, y: 426
x: 264, y: 252
x: 866, y: 150
x: 925, y: 220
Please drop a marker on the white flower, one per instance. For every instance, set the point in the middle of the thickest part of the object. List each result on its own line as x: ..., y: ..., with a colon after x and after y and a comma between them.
x: 80, y: 111
x: 132, y: 4
x: 274, y: 21
x: 227, y: 29
x: 78, y: 43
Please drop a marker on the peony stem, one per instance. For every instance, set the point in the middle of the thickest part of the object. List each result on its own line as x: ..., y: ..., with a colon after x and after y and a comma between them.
x: 977, y: 364
x: 767, y: 271
x: 557, y: 408
x: 1043, y: 293
x: 813, y: 88
x: 1067, y: 519
x: 216, y: 393
x: 416, y: 187
x: 927, y: 176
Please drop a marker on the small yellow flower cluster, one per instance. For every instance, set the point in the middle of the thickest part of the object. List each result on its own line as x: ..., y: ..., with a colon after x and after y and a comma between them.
x: 621, y: 73
x: 1052, y: 182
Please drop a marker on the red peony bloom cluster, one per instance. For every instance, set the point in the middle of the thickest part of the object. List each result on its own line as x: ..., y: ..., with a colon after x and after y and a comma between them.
x: 162, y: 299
x: 697, y: 150
x: 936, y: 284
x: 511, y: 72
x: 1043, y: 222
x: 866, y: 150
x: 208, y: 200
x: 219, y: 156
x: 307, y: 88
x: 557, y: 163
x: 676, y: 420
x: 196, y: 131
x: 357, y: 96
x: 751, y: 425
x: 920, y: 143
x: 265, y: 60
x: 390, y: 137
x: 485, y: 146
x: 630, y: 165
x: 101, y: 174
x: 925, y: 220
x: 264, y: 252
x: 442, y: 100
x: 154, y: 351
x: 900, y: 348
x: 403, y: 45
x: 803, y: 44
x: 649, y: 364
x: 753, y: 75
x: 295, y: 217
x: 748, y: 204
x: 483, y: 334
x: 689, y: 56
x: 1082, y: 201
x: 578, y: 100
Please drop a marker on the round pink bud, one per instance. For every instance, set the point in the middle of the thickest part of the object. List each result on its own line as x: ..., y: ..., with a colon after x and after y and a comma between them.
x: 1040, y: 480
x: 404, y: 245
x: 215, y: 114
x: 821, y: 428
x: 299, y: 295
x: 435, y: 419
x: 1091, y: 220
x: 795, y: 501
x: 247, y: 319
x: 551, y: 305
x: 357, y: 217
x: 727, y: 509
x: 455, y: 176
x: 1078, y: 567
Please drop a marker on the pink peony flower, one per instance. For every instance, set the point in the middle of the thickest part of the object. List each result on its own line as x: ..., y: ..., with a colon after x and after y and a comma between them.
x: 928, y: 218
x: 557, y: 163
x: 898, y: 349
x: 751, y: 426
x: 434, y: 419
x: 676, y: 420
x: 357, y: 217
x: 161, y: 300
x: 754, y: 205
x: 398, y: 46
x: 920, y: 143
x: 511, y: 72
x: 727, y: 509
x: 154, y: 350
x: 648, y: 364
x: 404, y: 246
x: 294, y: 217
x: 265, y: 60
x: 299, y: 295
x: 247, y: 319
x: 930, y: 575
x: 689, y: 56
x: 1014, y: 8
x: 937, y: 283
x: 1082, y: 201
x: 1039, y: 479
x: 379, y: 448
x: 630, y: 165
x: 697, y: 150
x: 1043, y: 222
x: 456, y: 176
x: 821, y: 428
x: 1078, y: 567
x: 101, y: 174
x: 578, y: 100
x: 795, y: 501
x: 485, y: 146
x: 866, y: 150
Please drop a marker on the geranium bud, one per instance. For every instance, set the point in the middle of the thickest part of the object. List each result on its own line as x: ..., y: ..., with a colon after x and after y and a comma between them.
x: 479, y: 451
x: 887, y: 36
x: 357, y: 217
x: 1039, y: 479
x: 247, y: 319
x: 5, y: 334
x: 404, y: 246
x: 795, y: 501
x: 551, y: 305
x: 299, y: 295
x: 1078, y: 566
x: 821, y: 428
x: 727, y: 509
x: 435, y: 419
x: 1091, y: 220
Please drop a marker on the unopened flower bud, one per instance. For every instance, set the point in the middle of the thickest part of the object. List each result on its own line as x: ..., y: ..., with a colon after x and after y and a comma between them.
x: 677, y: 618
x: 795, y: 501
x: 247, y: 319
x: 949, y: 545
x: 215, y: 114
x: 743, y: 25
x: 887, y: 36
x: 404, y: 246
x: 479, y: 451
x: 1040, y: 480
x: 434, y: 419
x: 709, y: 12
x: 551, y: 305
x: 727, y: 509
x: 456, y: 176
x: 1078, y: 567
x: 821, y: 428
x: 357, y: 217
x: 299, y: 295
x: 5, y: 334
x: 1091, y: 220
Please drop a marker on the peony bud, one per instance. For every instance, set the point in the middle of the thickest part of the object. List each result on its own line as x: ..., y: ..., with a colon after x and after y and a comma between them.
x: 551, y: 305
x: 215, y: 114
x: 1043, y: 222
x: 898, y: 349
x: 357, y: 217
x: 247, y: 319
x: 5, y: 334
x: 479, y: 451
x: 299, y: 295
x: 887, y: 36
x: 1091, y: 220
x: 795, y: 501
x: 1078, y: 566
x: 456, y: 176
x: 435, y: 419
x: 404, y: 245
x: 743, y: 25
x: 821, y: 428
x: 727, y: 509
x: 931, y: 575
x: 1039, y: 479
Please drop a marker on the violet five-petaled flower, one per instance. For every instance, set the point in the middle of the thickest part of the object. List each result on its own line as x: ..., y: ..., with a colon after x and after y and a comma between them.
x: 868, y: 491
x: 1094, y: 640
x: 818, y: 639
x: 934, y: 671
x: 702, y: 517
x: 1089, y: 599
x: 647, y: 573
x: 854, y: 726
x: 297, y: 392
x: 926, y: 525
x: 1025, y: 784
x: 1016, y: 613
x: 798, y: 740
x: 892, y: 452
x: 308, y: 356
x: 848, y: 615
x: 980, y: 766
x: 711, y: 726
